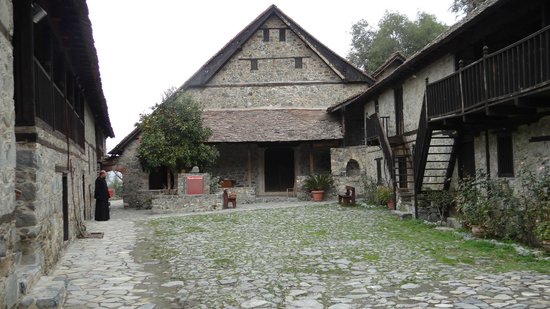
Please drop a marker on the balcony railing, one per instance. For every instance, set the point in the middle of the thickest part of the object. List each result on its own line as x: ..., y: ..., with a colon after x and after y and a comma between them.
x: 372, y: 126
x: 54, y: 109
x: 377, y: 128
x: 516, y: 69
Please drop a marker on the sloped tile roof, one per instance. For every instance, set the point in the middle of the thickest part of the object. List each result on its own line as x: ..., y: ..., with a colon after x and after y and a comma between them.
x: 271, y: 125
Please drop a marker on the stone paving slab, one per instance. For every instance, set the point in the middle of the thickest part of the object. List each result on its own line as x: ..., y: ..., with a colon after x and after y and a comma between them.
x: 251, y: 259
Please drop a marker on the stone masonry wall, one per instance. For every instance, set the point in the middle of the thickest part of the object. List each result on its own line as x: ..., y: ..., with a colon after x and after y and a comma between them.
x: 8, y: 256
x: 136, y: 180
x: 39, y: 175
x: 278, y: 96
x: 201, y: 202
x: 276, y: 82
x: 414, y: 88
x: 528, y: 156
x: 233, y: 163
x: 413, y: 93
x: 276, y: 60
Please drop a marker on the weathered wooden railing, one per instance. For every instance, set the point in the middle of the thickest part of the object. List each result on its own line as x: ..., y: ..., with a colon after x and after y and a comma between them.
x: 515, y: 69
x: 371, y: 127
x: 53, y: 107
x: 376, y: 128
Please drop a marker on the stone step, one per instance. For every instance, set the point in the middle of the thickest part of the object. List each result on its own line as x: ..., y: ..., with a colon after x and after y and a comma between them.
x: 27, y: 276
x: 403, y: 215
x: 48, y: 293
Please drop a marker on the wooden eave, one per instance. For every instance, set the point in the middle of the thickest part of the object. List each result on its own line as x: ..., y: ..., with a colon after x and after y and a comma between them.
x: 69, y: 19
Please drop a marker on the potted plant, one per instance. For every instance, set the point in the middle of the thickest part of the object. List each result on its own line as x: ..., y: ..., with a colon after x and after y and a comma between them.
x: 317, y: 184
x: 542, y: 232
x: 384, y: 195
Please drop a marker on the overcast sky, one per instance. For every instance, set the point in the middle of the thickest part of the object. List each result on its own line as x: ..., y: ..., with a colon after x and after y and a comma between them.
x: 146, y: 47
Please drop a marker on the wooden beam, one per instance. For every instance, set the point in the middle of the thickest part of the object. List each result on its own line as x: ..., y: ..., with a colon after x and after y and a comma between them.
x: 532, y: 102
x: 311, y: 160
x: 249, y: 166
x: 534, y: 139
x: 508, y: 110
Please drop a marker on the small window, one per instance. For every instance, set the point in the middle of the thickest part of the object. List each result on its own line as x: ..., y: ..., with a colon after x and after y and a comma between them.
x: 266, y: 35
x: 253, y: 64
x: 352, y: 168
x: 282, y: 35
x: 505, y: 156
x: 298, y: 62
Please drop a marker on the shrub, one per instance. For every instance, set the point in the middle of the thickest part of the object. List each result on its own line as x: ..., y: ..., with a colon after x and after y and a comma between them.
x: 542, y: 231
x: 319, y: 182
x: 505, y: 213
x: 441, y: 200
x: 369, y: 186
x: 384, y: 194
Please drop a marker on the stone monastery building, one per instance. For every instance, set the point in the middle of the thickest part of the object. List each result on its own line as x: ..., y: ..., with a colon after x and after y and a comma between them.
x: 265, y: 95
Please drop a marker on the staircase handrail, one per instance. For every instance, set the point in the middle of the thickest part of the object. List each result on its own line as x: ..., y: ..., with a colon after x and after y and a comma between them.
x: 420, y: 154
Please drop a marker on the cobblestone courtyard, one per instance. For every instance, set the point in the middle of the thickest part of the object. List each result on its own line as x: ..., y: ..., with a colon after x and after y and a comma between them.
x: 314, y: 256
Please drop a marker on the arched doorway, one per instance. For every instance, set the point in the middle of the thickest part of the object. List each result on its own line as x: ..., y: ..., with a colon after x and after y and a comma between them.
x: 279, y: 169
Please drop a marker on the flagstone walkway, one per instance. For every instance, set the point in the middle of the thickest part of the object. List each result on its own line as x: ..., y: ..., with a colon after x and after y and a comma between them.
x: 274, y: 258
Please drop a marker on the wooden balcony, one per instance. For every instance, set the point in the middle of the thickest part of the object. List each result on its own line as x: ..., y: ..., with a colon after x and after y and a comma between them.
x: 53, y: 106
x: 509, y: 82
x: 373, y: 125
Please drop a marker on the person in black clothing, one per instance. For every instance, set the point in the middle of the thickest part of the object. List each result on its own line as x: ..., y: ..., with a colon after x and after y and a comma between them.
x: 101, y: 195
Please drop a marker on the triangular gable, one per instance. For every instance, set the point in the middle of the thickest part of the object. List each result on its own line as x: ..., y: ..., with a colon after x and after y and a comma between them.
x: 340, y: 66
x: 394, y: 60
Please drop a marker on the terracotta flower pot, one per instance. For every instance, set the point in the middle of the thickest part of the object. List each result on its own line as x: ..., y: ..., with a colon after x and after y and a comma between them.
x: 318, y: 195
x: 390, y: 204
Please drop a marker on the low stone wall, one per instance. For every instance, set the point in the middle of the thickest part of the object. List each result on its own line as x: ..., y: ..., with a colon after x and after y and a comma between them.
x: 340, y: 183
x: 200, y: 202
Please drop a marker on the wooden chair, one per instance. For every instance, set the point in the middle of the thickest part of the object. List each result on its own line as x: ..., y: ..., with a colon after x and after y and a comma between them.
x: 229, y: 197
x: 347, y: 198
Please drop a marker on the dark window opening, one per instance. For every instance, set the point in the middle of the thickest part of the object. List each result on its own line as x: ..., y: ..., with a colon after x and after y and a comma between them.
x: 321, y: 157
x: 466, y: 159
x: 378, y: 171
x: 399, y: 121
x: 253, y: 64
x: 402, y: 172
x: 65, y: 206
x: 298, y: 62
x: 352, y: 168
x: 376, y: 106
x: 282, y: 35
x: 161, y: 178
x: 266, y: 35
x: 505, y: 156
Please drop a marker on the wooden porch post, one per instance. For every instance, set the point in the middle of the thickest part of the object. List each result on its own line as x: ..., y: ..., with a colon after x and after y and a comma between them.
x: 249, y: 166
x: 311, y: 159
